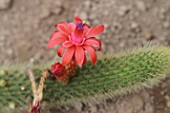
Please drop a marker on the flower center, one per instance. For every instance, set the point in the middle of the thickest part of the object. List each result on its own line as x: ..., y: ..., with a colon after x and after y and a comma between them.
x: 77, y: 36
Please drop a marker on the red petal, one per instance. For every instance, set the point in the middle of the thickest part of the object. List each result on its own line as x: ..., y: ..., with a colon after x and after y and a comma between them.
x: 56, y: 25
x: 77, y: 19
x: 63, y: 27
x: 85, y: 59
x: 92, y: 53
x: 68, y: 55
x: 56, y: 41
x: 86, y: 29
x: 67, y: 44
x: 57, y: 34
x: 93, y: 42
x: 95, y: 31
x: 79, y: 55
x: 71, y: 27
x: 60, y: 51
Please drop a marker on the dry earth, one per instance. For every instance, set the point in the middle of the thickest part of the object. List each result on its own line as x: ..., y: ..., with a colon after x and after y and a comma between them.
x: 25, y: 27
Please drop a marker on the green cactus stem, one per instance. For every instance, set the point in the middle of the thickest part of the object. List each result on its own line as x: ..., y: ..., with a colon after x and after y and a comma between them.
x: 111, y: 76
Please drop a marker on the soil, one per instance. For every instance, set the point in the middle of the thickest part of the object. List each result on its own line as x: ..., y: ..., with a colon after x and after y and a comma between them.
x: 25, y: 27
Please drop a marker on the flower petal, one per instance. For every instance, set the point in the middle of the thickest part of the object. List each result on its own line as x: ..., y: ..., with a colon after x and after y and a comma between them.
x: 56, y: 25
x: 86, y: 29
x: 93, y: 42
x: 92, y: 53
x: 85, y: 59
x: 60, y: 51
x: 63, y: 27
x: 77, y: 19
x: 57, y: 34
x: 95, y: 31
x: 79, y: 55
x: 68, y: 55
x: 56, y: 41
x: 71, y: 27
x: 67, y: 44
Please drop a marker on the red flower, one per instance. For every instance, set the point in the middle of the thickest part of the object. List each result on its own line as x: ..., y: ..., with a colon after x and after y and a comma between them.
x: 59, y: 71
x: 76, y: 38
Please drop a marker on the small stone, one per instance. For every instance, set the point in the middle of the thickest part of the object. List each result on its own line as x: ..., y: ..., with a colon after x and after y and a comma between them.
x: 87, y: 3
x: 79, y: 107
x: 168, y: 104
x: 5, y: 4
x: 135, y: 27
x: 93, y: 109
x: 57, y: 10
x: 2, y: 83
x: 167, y: 97
x: 166, y: 25
x: 9, y: 52
x: 141, y: 5
x: 123, y: 10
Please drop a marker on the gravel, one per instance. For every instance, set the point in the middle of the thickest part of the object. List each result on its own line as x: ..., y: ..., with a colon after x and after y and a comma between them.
x: 5, y: 4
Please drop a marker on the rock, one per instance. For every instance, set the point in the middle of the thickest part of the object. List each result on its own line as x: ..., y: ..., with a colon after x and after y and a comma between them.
x: 87, y: 4
x: 79, y: 107
x: 135, y: 27
x: 9, y: 52
x: 168, y: 104
x: 93, y: 109
x: 167, y: 97
x: 166, y: 24
x: 57, y: 10
x: 58, y: 7
x: 5, y: 4
x: 141, y: 5
x: 123, y: 10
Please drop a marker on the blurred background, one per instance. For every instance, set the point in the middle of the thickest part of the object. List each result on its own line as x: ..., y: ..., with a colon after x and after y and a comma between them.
x: 25, y: 27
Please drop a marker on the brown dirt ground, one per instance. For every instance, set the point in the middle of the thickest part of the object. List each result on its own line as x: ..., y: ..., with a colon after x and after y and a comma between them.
x: 25, y: 27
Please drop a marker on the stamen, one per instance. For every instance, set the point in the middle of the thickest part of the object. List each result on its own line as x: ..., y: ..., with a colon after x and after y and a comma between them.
x: 83, y: 22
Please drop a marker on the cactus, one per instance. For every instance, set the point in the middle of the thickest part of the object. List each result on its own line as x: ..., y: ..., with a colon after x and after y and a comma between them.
x: 111, y: 76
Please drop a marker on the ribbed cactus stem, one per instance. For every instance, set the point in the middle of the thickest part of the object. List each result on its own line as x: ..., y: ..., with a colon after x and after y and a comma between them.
x: 111, y: 76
